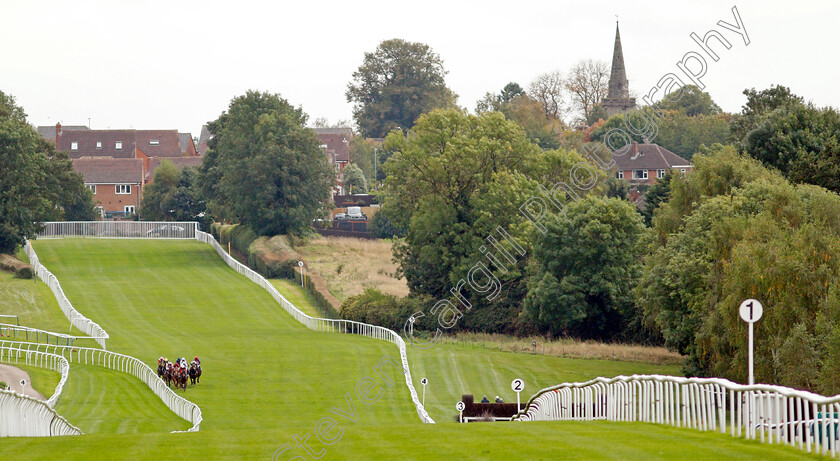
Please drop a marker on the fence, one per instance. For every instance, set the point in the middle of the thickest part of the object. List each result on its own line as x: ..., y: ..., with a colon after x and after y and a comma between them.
x: 120, y: 229
x: 33, y: 334
x: 12, y: 354
x: 774, y: 414
x: 84, y: 324
x: 23, y: 416
x: 324, y: 325
x: 124, y: 364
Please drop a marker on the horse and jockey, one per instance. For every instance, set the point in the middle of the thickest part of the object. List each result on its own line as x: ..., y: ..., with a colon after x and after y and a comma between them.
x: 178, y: 371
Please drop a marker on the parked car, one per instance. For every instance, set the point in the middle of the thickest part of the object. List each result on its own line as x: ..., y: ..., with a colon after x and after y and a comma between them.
x: 355, y: 213
x: 339, y: 216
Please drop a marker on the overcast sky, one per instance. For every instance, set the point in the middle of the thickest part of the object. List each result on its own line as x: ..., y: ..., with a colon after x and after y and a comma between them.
x: 176, y: 65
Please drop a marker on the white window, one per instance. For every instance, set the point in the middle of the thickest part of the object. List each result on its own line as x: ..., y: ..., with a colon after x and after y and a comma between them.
x: 660, y: 174
x: 129, y: 209
x: 74, y: 145
x: 118, y: 145
x: 123, y: 189
x: 640, y: 174
x: 92, y: 187
x: 154, y: 142
x: 337, y: 166
x: 620, y: 174
x: 99, y: 144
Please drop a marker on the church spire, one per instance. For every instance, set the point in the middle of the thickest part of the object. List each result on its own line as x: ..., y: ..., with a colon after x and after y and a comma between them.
x: 618, y: 87
x: 618, y: 98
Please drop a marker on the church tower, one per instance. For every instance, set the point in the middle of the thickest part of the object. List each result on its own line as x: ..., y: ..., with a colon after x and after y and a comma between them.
x: 618, y: 98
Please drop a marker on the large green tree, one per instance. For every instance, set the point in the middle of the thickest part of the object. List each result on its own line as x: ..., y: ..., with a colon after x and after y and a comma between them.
x: 451, y: 184
x: 585, y: 270
x: 801, y: 141
x: 759, y: 104
x: 689, y: 100
x: 354, y: 179
x: 395, y: 84
x: 36, y: 183
x: 264, y: 168
x: 734, y: 230
x: 172, y: 196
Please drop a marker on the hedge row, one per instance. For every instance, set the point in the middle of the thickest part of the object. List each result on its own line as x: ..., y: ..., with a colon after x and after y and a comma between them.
x: 389, y: 311
x: 20, y: 268
x: 326, y: 303
x: 274, y: 258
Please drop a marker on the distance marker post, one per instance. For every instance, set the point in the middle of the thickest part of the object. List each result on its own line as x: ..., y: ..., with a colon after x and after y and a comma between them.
x: 460, y: 407
x: 518, y: 386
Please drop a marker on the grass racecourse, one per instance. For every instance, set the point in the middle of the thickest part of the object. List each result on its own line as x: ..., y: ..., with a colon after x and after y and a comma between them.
x: 268, y: 380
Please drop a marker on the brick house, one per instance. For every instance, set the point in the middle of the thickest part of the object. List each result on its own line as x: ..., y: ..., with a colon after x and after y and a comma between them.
x: 643, y: 164
x: 116, y: 183
x: 336, y: 144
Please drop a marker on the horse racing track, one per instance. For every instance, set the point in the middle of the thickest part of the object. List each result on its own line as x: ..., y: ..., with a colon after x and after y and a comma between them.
x: 269, y: 382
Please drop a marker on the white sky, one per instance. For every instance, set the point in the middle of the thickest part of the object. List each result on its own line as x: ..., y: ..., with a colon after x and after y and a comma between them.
x: 177, y: 65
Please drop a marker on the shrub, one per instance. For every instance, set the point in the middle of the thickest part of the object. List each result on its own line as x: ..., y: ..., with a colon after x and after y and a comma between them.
x: 20, y: 268
x: 388, y: 311
x: 3, y: 385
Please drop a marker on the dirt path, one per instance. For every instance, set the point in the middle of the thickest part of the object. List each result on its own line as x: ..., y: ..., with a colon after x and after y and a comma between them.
x: 12, y: 376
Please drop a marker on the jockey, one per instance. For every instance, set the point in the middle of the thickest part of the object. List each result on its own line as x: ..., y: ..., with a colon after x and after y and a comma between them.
x: 197, y: 362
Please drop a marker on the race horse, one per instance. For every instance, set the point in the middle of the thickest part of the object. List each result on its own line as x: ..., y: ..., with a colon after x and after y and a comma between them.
x: 181, y: 379
x: 195, y: 373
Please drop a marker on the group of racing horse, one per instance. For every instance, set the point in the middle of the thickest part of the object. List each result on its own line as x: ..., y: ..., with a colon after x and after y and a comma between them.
x: 177, y: 372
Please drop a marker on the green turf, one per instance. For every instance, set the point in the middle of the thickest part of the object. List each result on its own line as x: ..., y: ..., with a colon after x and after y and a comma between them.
x: 35, y: 306
x: 297, y: 296
x: 267, y: 378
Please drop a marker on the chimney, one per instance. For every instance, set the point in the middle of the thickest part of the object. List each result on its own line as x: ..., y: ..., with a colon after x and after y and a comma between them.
x: 634, y: 150
x: 57, y: 133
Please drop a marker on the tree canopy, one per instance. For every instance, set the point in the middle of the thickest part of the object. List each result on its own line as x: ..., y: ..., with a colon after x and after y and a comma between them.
x: 173, y: 196
x: 264, y: 168
x: 585, y: 269
x: 36, y: 183
x: 395, y: 84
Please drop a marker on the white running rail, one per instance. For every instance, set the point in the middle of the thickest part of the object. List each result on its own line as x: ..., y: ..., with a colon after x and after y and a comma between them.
x: 775, y: 414
x: 34, y: 334
x: 120, y: 229
x: 24, y: 416
x: 11, y: 354
x: 122, y: 363
x: 324, y: 325
x: 78, y: 320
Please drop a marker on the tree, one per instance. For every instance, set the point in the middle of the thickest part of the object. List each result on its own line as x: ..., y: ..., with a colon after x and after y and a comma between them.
x: 395, y: 84
x: 354, y: 179
x: 510, y: 91
x: 801, y: 141
x: 587, y: 82
x: 656, y: 195
x: 692, y: 101
x: 451, y: 184
x: 173, y: 196
x: 548, y: 89
x: 264, y: 168
x: 363, y: 153
x: 36, y: 183
x: 758, y: 104
x: 597, y: 114
x: 585, y: 269
x: 675, y: 131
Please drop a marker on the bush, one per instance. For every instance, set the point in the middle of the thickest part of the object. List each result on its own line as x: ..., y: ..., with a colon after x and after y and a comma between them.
x: 389, y: 311
x: 3, y: 385
x: 20, y: 268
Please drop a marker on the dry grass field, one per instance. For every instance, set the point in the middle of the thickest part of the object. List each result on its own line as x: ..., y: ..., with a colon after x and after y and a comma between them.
x: 568, y: 348
x: 350, y: 265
